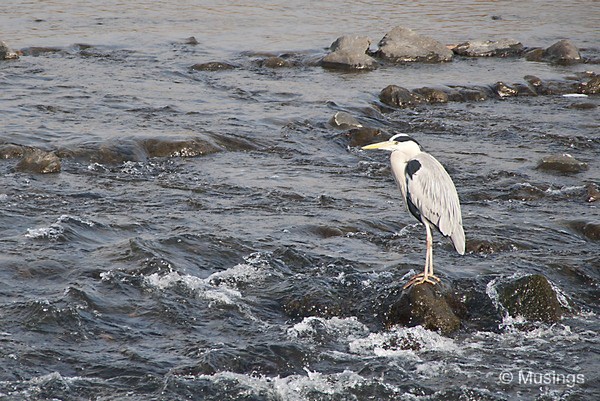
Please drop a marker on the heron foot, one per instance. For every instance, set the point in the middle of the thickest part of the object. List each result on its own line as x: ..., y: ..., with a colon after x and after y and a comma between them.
x: 422, y: 278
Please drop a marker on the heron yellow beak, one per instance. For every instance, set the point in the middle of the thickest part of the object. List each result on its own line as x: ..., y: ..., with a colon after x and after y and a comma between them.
x: 378, y: 145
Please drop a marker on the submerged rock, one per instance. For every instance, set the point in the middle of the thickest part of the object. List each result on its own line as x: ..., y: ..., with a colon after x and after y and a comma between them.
x: 213, y: 66
x: 402, y: 45
x: 531, y: 297
x: 350, y: 53
x: 39, y: 161
x: 489, y: 48
x: 424, y: 305
x: 397, y: 96
x: 36, y: 51
x: 6, y: 53
x: 564, y: 163
x: 178, y: 148
x: 593, y: 193
x: 274, y: 62
x: 590, y: 231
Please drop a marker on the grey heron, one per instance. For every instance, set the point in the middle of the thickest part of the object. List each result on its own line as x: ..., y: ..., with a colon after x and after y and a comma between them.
x: 429, y: 194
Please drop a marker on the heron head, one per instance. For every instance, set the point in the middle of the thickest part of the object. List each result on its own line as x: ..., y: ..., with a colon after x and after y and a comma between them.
x: 397, y: 142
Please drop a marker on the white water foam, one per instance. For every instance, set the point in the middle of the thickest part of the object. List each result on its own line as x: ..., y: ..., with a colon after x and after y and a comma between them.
x: 404, y: 342
x: 220, y: 288
x: 56, y: 229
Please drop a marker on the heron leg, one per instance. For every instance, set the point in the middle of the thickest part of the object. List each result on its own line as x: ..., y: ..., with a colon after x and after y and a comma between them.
x: 427, y: 276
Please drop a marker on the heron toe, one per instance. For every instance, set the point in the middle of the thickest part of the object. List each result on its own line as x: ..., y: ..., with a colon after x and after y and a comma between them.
x: 422, y: 278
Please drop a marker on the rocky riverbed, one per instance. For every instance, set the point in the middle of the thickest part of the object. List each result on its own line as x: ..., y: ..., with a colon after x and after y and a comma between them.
x: 187, y: 217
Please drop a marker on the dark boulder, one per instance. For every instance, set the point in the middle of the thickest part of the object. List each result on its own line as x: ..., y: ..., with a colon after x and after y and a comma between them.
x: 364, y: 136
x: 425, y: 305
x: 39, y: 161
x: 564, y: 163
x: 489, y: 48
x: 402, y: 45
x: 531, y: 297
x: 562, y: 52
x: 535, y: 54
x: 350, y: 53
x: 397, y: 96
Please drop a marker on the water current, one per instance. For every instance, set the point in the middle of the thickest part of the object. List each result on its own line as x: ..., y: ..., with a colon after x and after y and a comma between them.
x: 211, y: 236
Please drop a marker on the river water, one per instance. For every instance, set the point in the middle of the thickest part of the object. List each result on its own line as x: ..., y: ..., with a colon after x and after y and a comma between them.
x: 248, y: 259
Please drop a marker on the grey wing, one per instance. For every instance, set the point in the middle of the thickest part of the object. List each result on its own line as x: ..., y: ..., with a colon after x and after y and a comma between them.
x: 431, y: 191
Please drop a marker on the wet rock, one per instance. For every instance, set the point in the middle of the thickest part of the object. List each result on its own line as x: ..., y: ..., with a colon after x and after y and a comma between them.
x: 524, y: 90
x: 178, y: 148
x: 111, y: 152
x: 350, y: 53
x: 432, y: 95
x: 191, y: 41
x: 549, y: 87
x: 364, y: 136
x: 402, y: 45
x: 6, y: 53
x: 10, y: 151
x: 39, y: 161
x: 397, y: 96
x: 489, y: 48
x: 531, y: 297
x: 213, y: 66
x: 592, y: 193
x: 274, y: 62
x: 564, y: 163
x: 503, y: 90
x: 534, y: 81
x: 488, y: 247
x: 563, y: 52
x: 344, y: 120
x: 316, y: 303
x: 424, y: 305
x: 536, y: 54
x: 590, y: 86
x: 470, y: 94
x: 590, y: 231
x: 327, y: 231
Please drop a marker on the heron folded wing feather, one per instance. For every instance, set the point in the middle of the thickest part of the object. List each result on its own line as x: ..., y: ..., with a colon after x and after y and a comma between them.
x: 431, y: 191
